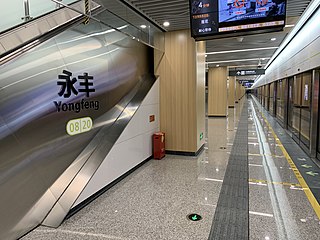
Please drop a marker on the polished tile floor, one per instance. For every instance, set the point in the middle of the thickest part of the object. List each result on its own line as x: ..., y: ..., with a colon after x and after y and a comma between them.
x: 279, y: 208
x: 153, y: 202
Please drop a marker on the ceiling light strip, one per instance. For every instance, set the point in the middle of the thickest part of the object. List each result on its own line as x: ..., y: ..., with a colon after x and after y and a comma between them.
x: 240, y: 66
x: 242, y: 50
x: 236, y: 60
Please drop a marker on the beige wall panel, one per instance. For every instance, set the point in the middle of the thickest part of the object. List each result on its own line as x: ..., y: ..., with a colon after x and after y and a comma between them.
x: 271, y: 98
x: 271, y: 90
x: 238, y: 91
x: 217, y: 90
x: 231, y: 91
x: 266, y: 90
x: 243, y: 91
x: 200, y: 92
x: 178, y: 98
x: 266, y: 96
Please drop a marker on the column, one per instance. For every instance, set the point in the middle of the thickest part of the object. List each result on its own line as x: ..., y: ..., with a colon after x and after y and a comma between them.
x: 217, y: 90
x: 238, y: 91
x: 231, y: 92
x: 182, y: 93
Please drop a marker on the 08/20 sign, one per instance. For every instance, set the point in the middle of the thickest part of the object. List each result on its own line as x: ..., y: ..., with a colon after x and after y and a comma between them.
x: 80, y: 125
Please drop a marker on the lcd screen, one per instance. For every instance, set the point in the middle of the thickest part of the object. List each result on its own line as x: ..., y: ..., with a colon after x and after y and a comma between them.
x: 237, y: 10
x: 204, y: 17
x: 218, y: 17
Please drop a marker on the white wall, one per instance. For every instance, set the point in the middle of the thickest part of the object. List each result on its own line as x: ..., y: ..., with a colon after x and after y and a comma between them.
x: 301, y: 54
x: 133, y: 146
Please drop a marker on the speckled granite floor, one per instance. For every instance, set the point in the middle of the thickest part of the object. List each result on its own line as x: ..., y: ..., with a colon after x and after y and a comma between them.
x: 153, y: 202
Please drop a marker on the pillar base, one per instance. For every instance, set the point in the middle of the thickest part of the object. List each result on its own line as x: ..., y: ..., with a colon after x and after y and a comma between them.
x: 182, y: 153
x: 219, y: 116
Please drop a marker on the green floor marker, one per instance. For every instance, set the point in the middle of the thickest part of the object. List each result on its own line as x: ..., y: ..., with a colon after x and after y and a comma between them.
x: 311, y: 173
x: 194, y: 217
x: 306, y: 166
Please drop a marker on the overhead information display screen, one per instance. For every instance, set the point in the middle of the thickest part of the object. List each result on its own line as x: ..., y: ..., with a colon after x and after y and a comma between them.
x: 217, y: 17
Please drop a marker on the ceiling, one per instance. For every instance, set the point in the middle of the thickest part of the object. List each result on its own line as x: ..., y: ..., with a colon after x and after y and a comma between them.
x: 177, y: 13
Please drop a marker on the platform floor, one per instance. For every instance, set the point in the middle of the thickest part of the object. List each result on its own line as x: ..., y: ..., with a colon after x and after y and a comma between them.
x: 154, y: 201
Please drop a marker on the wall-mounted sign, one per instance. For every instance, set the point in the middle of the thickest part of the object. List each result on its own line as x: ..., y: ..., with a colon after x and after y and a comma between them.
x: 77, y: 126
x: 151, y: 118
x: 247, y: 72
x: 71, y: 86
x: 247, y: 85
x: 245, y: 81
x: 68, y: 84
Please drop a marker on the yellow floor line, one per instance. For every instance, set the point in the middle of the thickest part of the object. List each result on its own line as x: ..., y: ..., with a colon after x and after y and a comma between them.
x: 313, y: 201
x: 277, y: 183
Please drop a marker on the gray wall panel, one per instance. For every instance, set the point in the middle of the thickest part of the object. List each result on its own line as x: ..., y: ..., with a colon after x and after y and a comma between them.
x: 35, y: 148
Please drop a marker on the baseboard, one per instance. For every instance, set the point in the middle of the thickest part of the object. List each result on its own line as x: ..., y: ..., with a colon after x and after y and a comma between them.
x: 182, y: 153
x: 218, y: 116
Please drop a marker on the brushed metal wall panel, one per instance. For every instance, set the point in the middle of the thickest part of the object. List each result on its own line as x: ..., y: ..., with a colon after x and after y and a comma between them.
x: 35, y: 148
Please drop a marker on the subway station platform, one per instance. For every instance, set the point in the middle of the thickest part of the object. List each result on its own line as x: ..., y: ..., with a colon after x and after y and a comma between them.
x: 244, y: 185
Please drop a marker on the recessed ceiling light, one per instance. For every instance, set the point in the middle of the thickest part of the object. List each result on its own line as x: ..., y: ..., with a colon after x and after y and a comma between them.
x: 217, y: 65
x: 273, y: 39
x: 143, y: 26
x: 166, y: 24
x: 206, y: 55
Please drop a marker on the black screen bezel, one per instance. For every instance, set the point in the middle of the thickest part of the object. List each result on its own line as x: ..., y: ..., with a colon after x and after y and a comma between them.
x: 199, y: 37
